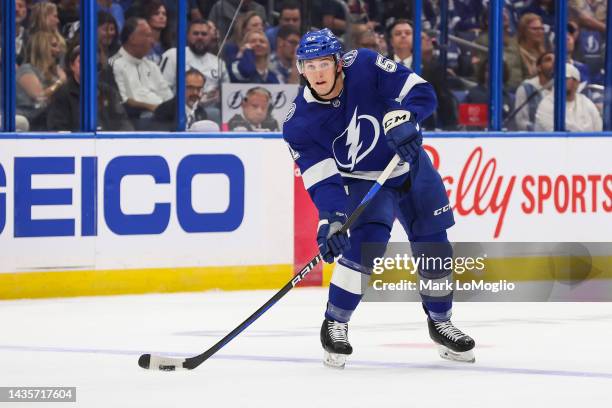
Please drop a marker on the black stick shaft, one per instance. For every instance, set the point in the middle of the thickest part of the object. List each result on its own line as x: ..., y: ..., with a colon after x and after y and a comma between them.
x: 193, y: 362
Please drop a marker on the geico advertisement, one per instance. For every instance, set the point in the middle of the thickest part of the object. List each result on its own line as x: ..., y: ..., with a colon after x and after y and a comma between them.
x: 128, y: 203
x: 525, y: 189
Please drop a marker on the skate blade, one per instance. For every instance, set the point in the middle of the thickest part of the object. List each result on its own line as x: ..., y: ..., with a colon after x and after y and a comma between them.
x: 462, y: 356
x: 334, y: 360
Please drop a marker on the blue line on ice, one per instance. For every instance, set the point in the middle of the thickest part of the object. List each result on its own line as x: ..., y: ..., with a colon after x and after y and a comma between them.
x: 353, y: 363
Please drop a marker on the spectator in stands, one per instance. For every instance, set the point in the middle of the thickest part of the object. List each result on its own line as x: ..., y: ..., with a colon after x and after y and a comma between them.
x: 43, y: 17
x: 156, y: 16
x: 400, y: 38
x: 21, y: 13
x: 108, y: 35
x: 250, y: 21
x: 114, y: 9
x: 164, y: 116
x: 512, y: 57
x: 39, y: 77
x: 532, y: 43
x: 531, y: 92
x: 290, y: 15
x: 198, y: 55
x: 256, y: 110
x: 282, y: 61
x: 581, y: 115
x: 223, y: 12
x: 141, y: 84
x: 252, y: 63
x: 546, y: 10
x: 64, y: 107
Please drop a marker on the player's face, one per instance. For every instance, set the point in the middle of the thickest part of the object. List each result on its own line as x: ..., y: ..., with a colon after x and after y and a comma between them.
x: 255, y: 108
x: 321, y: 73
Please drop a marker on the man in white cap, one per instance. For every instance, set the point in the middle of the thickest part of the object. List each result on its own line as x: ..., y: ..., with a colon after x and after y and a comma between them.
x: 581, y: 115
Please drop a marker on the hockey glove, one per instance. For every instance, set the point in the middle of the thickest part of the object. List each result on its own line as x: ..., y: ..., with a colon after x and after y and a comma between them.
x: 403, y: 134
x: 331, y: 242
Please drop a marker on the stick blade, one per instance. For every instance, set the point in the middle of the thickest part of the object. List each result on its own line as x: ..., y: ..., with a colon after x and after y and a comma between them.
x: 150, y: 362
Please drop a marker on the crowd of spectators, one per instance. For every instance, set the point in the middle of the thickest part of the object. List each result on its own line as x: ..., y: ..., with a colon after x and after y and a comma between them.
x: 137, y: 57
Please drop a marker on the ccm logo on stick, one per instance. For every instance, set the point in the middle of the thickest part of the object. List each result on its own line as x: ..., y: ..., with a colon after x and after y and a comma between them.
x: 89, y: 199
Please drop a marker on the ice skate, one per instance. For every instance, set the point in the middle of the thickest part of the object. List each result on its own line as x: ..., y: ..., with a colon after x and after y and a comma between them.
x: 334, y: 339
x: 453, y: 344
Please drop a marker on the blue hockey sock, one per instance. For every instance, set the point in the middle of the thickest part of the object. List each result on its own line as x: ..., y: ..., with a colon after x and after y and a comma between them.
x: 345, y: 292
x: 438, y: 302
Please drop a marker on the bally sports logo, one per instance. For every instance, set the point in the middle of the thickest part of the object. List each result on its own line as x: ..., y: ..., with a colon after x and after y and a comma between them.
x: 483, y: 187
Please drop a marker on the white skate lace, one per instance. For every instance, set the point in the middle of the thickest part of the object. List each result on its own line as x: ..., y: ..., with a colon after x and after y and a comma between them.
x: 449, y: 331
x: 338, y: 331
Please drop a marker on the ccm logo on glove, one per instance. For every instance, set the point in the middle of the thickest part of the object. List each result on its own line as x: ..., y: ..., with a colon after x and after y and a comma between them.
x: 395, y: 118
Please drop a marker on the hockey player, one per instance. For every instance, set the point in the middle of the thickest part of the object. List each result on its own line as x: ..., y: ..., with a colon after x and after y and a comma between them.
x: 356, y: 111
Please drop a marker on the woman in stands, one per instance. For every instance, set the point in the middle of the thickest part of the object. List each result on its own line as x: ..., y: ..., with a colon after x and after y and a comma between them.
x: 252, y: 63
x: 532, y: 43
x: 39, y: 77
x: 156, y: 15
x: 108, y: 35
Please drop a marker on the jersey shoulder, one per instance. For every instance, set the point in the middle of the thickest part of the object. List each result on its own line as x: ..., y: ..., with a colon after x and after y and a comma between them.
x: 364, y: 59
x: 297, y: 122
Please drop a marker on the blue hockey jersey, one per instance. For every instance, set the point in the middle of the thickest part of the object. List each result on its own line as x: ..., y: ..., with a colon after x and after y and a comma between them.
x: 342, y: 139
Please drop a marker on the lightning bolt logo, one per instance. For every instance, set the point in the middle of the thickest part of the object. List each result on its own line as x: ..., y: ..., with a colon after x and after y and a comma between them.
x: 352, y: 139
x: 352, y: 146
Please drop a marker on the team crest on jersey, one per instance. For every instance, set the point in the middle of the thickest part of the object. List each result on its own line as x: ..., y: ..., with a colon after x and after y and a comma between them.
x: 290, y: 112
x: 349, y: 58
x: 357, y: 140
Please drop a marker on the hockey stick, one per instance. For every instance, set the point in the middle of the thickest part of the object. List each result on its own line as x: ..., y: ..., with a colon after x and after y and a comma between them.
x: 152, y: 362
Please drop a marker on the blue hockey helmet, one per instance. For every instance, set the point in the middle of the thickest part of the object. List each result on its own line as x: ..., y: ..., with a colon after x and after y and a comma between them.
x: 317, y: 44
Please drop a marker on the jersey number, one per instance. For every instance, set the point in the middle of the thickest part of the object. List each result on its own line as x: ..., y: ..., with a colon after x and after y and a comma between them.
x: 385, y: 64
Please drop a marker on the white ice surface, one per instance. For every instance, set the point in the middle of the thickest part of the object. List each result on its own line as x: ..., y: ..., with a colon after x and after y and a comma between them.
x: 527, y: 354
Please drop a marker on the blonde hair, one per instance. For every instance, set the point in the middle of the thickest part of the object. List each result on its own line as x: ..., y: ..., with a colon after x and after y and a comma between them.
x: 38, y: 54
x: 38, y: 21
x: 523, y: 27
x: 240, y: 28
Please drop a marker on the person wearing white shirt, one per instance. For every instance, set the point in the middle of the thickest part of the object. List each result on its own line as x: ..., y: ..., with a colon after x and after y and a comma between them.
x: 581, y: 114
x: 141, y: 84
x: 197, y: 56
x: 534, y: 89
x: 401, y: 42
